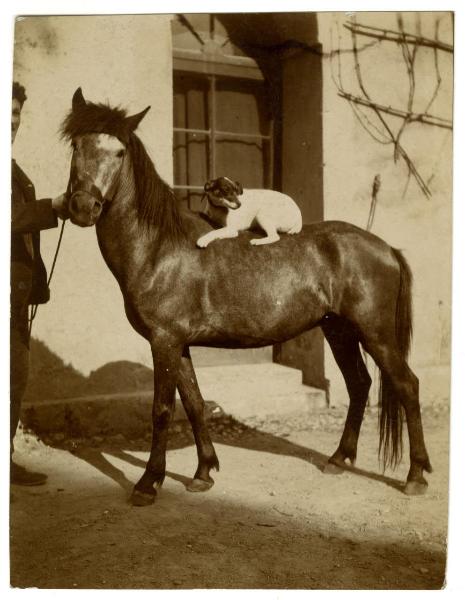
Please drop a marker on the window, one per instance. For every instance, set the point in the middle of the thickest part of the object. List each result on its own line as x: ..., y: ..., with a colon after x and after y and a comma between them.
x: 222, y: 120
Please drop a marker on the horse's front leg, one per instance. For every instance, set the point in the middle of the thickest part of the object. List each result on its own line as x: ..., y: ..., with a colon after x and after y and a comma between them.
x: 195, y: 409
x: 166, y: 360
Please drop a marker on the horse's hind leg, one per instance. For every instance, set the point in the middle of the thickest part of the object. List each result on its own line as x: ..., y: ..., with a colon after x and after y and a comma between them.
x: 194, y: 406
x: 399, y: 387
x: 344, y: 344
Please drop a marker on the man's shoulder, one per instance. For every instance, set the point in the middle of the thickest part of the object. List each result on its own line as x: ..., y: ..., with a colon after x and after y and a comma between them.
x: 21, y: 178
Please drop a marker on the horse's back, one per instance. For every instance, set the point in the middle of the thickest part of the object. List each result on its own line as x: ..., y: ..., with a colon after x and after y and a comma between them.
x: 325, y: 258
x: 353, y: 245
x: 330, y: 245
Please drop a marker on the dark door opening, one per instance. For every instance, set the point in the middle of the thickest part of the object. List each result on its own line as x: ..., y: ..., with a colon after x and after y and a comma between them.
x: 247, y: 104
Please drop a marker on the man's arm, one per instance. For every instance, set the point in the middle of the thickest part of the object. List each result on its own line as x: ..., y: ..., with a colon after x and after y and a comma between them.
x: 29, y: 217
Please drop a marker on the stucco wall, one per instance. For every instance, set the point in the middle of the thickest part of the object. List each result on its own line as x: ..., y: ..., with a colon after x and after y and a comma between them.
x: 125, y: 60
x: 404, y: 217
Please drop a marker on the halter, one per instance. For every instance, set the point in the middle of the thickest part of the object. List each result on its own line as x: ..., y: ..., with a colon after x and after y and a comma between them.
x: 88, y: 187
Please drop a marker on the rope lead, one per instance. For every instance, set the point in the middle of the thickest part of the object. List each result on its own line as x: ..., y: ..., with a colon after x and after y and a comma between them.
x: 34, y: 307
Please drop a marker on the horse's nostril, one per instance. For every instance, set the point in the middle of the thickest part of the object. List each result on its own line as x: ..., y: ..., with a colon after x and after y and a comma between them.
x: 73, y: 204
x: 96, y: 208
x: 79, y: 203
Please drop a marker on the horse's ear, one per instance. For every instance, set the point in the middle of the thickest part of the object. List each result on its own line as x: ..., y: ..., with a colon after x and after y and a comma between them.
x: 78, y: 100
x: 133, y: 121
x: 239, y: 188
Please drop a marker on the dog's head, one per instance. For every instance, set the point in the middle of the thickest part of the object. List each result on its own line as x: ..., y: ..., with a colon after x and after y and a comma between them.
x: 224, y: 192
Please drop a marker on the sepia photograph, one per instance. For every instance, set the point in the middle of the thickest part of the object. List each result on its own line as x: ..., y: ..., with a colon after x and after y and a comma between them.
x: 230, y: 300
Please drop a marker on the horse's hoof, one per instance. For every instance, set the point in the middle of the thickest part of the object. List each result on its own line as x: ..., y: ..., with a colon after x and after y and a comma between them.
x: 332, y: 469
x: 415, y: 488
x: 199, y: 485
x: 142, y: 498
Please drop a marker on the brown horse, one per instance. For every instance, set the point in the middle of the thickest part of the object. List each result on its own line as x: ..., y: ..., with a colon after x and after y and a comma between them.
x: 235, y: 295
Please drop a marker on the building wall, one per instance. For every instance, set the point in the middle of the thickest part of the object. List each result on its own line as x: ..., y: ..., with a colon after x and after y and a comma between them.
x: 125, y: 60
x: 404, y: 217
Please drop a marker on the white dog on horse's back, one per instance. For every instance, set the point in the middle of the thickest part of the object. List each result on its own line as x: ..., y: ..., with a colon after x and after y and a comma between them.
x: 271, y: 211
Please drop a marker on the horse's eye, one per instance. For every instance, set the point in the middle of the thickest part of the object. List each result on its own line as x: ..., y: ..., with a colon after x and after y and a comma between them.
x: 120, y: 153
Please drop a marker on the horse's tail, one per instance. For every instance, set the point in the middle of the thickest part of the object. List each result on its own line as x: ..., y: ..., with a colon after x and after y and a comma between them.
x: 404, y: 306
x: 391, y: 410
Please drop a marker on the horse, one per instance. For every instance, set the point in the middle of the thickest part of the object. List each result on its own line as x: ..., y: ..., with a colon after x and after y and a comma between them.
x: 232, y: 294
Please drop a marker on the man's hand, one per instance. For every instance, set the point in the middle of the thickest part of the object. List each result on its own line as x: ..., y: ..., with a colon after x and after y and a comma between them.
x: 60, y: 206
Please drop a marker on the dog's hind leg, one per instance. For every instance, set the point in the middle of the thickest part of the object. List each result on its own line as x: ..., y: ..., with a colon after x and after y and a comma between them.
x: 269, y: 227
x: 297, y: 228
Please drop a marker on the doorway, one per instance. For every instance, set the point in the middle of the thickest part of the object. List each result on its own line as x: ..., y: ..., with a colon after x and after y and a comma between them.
x: 247, y: 105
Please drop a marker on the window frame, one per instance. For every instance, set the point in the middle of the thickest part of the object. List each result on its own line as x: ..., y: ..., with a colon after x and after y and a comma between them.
x: 211, y: 68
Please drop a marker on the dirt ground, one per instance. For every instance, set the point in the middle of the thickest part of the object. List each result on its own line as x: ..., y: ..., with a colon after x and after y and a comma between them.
x: 272, y: 520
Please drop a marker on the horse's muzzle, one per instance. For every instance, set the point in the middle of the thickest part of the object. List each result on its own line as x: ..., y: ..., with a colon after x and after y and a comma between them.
x: 84, y: 208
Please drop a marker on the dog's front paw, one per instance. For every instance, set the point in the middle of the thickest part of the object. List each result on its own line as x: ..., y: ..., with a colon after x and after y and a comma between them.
x: 202, y: 243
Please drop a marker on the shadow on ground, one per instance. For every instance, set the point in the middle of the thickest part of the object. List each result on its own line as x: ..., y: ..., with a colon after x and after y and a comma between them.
x: 89, y: 536
x: 94, y: 540
x: 227, y: 431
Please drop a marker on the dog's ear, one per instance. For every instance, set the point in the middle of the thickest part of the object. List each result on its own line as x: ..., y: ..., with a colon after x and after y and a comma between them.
x: 208, y: 186
x: 239, y: 189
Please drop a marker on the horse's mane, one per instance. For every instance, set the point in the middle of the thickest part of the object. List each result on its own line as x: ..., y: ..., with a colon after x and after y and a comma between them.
x: 156, y: 202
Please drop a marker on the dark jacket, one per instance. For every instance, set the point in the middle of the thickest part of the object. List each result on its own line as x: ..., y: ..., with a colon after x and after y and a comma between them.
x: 28, y: 216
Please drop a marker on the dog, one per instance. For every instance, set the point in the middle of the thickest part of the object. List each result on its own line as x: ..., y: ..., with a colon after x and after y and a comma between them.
x: 271, y: 211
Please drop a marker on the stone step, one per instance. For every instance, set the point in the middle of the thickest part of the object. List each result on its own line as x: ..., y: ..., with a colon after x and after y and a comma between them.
x: 242, y: 391
x: 258, y: 390
x: 248, y: 380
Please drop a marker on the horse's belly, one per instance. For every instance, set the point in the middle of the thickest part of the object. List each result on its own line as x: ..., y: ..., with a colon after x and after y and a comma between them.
x: 253, y: 322
x: 251, y: 337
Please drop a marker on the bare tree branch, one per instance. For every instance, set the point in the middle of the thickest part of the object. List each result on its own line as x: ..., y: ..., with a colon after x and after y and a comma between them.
x: 394, y: 36
x: 385, y: 133
x: 411, y: 117
x: 436, y: 67
x: 410, y: 165
x: 409, y: 59
x: 368, y: 125
x: 361, y: 117
x: 409, y: 177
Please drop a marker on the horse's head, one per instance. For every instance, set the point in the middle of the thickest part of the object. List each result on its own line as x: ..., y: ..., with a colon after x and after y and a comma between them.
x: 99, y: 136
